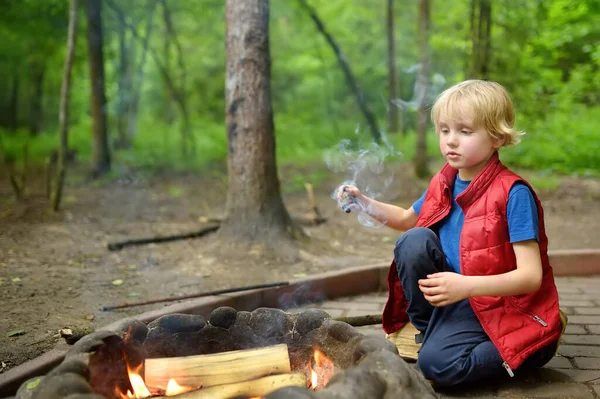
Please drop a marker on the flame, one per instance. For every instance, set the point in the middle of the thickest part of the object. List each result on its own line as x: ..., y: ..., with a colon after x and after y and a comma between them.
x: 321, y: 370
x: 173, y: 388
x: 137, y: 383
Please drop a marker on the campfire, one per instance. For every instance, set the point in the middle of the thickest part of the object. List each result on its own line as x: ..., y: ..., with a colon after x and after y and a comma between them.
x: 264, y: 354
x: 228, y: 374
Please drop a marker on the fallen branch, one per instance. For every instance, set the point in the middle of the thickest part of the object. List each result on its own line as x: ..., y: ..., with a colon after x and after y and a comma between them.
x: 256, y: 388
x: 197, y: 295
x: 116, y: 246
x: 365, y: 320
x: 219, y: 368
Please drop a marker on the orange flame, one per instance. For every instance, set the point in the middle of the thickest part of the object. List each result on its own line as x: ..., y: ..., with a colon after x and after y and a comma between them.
x: 140, y: 390
x: 173, y: 388
x: 321, y: 370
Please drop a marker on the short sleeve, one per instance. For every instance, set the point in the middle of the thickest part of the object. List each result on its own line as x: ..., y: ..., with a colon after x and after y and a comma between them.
x: 418, y: 204
x: 522, y: 214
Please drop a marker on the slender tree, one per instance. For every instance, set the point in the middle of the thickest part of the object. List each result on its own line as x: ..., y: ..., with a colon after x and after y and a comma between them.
x: 481, y: 30
x: 421, y: 162
x: 63, y: 115
x: 350, y: 79
x: 36, y: 112
x: 395, y: 115
x: 100, y: 149
x: 254, y: 208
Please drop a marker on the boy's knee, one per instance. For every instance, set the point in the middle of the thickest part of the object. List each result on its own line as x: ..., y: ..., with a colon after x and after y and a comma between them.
x: 413, y: 242
x: 434, y: 367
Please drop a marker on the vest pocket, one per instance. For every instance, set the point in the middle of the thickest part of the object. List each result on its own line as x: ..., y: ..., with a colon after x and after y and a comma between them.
x: 526, y: 313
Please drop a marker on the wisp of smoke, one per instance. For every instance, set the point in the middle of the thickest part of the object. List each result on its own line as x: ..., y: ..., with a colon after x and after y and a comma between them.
x: 366, y: 170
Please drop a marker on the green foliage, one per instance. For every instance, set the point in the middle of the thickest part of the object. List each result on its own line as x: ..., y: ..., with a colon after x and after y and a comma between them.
x: 547, y: 53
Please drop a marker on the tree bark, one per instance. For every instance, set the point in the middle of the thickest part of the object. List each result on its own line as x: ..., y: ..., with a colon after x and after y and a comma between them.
x: 369, y: 116
x: 123, y: 140
x: 63, y: 113
x: 254, y: 208
x: 394, y: 116
x: 36, y: 112
x: 421, y: 162
x: 100, y: 149
x: 13, y: 103
x: 481, y: 28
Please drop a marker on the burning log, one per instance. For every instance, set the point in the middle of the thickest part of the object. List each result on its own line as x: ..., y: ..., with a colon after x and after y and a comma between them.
x: 217, y: 369
x: 259, y: 387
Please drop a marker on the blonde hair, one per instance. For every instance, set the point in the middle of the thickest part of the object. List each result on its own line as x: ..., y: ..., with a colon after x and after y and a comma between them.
x: 489, y: 103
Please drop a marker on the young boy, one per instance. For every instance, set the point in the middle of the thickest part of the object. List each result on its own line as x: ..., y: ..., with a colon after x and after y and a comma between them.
x: 472, y: 272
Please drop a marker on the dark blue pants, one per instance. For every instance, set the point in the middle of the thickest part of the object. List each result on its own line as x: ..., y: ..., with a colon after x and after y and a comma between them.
x: 455, y: 348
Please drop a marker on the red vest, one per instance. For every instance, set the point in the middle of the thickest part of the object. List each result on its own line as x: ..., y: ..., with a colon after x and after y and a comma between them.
x: 517, y: 325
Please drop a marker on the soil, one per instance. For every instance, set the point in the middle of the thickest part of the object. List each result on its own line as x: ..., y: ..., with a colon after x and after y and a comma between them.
x: 56, y: 272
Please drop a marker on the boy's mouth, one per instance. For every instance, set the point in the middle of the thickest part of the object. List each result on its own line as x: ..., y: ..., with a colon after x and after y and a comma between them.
x: 452, y: 155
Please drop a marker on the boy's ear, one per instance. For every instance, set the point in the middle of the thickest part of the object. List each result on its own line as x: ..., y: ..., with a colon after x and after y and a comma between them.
x: 499, y: 142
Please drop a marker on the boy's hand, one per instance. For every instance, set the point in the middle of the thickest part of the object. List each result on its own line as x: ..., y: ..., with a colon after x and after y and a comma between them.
x: 352, y: 190
x: 442, y: 289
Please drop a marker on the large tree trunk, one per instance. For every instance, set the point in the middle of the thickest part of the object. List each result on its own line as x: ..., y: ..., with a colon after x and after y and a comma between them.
x: 395, y: 115
x: 362, y: 103
x: 63, y: 113
x: 481, y: 28
x: 421, y: 162
x: 254, y: 209
x: 36, y: 112
x: 100, y: 149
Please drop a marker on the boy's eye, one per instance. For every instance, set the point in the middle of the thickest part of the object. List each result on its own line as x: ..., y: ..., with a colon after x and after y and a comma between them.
x: 465, y: 132
x: 444, y: 131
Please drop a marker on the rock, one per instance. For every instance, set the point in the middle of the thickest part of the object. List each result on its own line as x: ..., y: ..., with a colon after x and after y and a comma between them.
x: 134, y: 328
x: 61, y: 385
x: 292, y: 393
x: 91, y: 342
x: 76, y: 364
x: 27, y: 388
x: 177, y: 323
x: 310, y: 319
x: 370, y: 344
x: 223, y: 317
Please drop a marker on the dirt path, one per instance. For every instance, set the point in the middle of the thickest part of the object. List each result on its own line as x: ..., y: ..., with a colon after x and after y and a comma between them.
x: 55, y: 271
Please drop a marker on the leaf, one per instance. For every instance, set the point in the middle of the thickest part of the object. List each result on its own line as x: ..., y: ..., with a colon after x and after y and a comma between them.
x: 3, y: 280
x: 33, y: 384
x: 175, y: 192
x: 117, y: 282
x: 90, y: 317
x: 132, y: 267
x: 133, y: 294
x: 15, y: 333
x: 16, y: 280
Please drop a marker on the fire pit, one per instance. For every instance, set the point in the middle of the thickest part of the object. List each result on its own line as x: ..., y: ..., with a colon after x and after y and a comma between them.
x: 266, y: 353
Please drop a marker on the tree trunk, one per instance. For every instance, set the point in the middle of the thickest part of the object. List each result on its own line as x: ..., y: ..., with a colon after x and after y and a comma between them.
x: 100, y: 149
x: 254, y: 209
x: 362, y: 104
x: 13, y: 103
x: 481, y: 28
x: 123, y: 140
x: 136, y: 92
x: 394, y: 116
x: 63, y: 113
x: 421, y: 162
x: 36, y: 112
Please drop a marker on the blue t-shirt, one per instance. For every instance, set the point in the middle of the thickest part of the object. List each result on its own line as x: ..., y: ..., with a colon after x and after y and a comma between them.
x: 521, y: 212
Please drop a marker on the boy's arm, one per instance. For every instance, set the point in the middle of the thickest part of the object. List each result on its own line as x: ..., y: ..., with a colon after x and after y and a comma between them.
x: 525, y: 279
x: 393, y: 216
x: 442, y: 289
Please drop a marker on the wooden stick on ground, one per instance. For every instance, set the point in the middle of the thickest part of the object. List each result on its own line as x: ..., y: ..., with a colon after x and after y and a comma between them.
x: 116, y: 246
x: 318, y: 218
x: 365, y: 320
x: 217, y: 369
x: 259, y: 387
x: 197, y: 295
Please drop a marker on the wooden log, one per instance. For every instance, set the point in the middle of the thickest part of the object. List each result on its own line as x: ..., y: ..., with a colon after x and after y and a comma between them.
x: 259, y: 387
x: 217, y: 369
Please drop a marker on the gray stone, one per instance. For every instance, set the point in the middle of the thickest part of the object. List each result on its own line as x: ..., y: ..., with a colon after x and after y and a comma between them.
x: 133, y: 329
x: 177, y: 323
x: 558, y: 362
x: 581, y: 339
x: 223, y: 317
x: 91, y: 342
x: 575, y: 329
x: 579, y: 350
x: 270, y: 324
x: 61, y: 385
x: 27, y: 388
x: 370, y: 344
x: 85, y: 396
x: 547, y: 390
x: 76, y: 364
x: 340, y: 331
x: 355, y: 383
x: 310, y: 319
x: 588, y: 363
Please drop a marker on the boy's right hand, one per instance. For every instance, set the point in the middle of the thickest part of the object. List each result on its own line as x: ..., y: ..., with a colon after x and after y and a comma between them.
x: 350, y: 198
x: 350, y: 189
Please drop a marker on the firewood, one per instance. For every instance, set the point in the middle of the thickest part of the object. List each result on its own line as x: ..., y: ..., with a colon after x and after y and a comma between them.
x: 217, y: 369
x: 259, y: 387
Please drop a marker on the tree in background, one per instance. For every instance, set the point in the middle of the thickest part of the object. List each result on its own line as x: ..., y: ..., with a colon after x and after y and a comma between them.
x: 100, y: 149
x: 481, y: 28
x: 421, y: 162
x: 395, y: 122
x: 65, y: 96
x: 254, y: 208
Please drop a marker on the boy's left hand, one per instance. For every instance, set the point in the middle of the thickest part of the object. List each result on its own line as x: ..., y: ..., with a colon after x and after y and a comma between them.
x: 441, y: 289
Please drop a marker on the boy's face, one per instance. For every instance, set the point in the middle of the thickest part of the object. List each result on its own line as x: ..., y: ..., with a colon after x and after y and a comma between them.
x: 465, y: 146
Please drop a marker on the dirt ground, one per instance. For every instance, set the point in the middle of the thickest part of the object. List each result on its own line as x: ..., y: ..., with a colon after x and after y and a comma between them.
x: 56, y: 272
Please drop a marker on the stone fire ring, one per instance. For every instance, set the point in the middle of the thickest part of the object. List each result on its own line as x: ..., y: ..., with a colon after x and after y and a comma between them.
x: 367, y: 367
